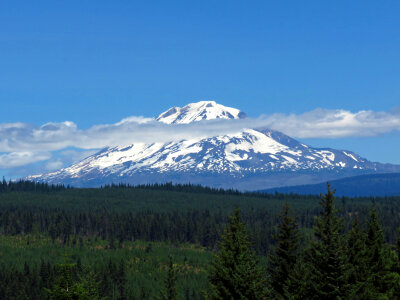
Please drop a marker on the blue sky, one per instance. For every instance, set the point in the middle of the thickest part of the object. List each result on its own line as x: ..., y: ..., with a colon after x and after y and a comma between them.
x: 97, y: 62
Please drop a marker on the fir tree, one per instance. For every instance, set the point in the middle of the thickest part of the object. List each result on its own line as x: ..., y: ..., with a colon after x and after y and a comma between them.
x: 121, y: 279
x: 357, y: 255
x: 381, y: 282
x: 234, y: 272
x: 398, y: 243
x: 44, y: 273
x: 170, y: 292
x: 299, y: 282
x: 397, y: 265
x: 284, y: 258
x: 66, y: 287
x: 326, y: 256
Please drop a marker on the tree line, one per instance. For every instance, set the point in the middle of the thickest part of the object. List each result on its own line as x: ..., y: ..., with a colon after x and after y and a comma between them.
x: 29, y: 186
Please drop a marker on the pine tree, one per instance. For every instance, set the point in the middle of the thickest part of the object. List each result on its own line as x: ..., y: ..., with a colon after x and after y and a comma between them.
x: 284, y: 258
x: 398, y: 243
x: 357, y: 255
x: 381, y: 281
x: 326, y: 256
x: 44, y: 273
x: 234, y: 272
x: 121, y: 279
x: 397, y: 265
x: 67, y: 287
x: 170, y: 292
x: 299, y: 281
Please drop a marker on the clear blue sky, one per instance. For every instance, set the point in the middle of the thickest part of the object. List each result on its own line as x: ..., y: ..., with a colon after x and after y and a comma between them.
x: 94, y: 62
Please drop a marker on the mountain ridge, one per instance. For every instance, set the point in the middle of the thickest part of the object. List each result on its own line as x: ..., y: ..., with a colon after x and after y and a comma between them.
x: 375, y: 185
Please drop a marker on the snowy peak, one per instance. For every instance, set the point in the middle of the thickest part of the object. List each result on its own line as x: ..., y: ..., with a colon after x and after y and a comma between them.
x: 203, y: 110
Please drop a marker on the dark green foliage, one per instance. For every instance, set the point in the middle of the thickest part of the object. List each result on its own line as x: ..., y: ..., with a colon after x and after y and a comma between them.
x: 72, y: 283
x: 119, y: 239
x: 396, y: 267
x: 29, y: 186
x: 234, y: 272
x: 170, y: 292
x: 284, y: 258
x: 299, y: 282
x: 357, y: 256
x: 398, y: 243
x: 381, y: 282
x: 326, y: 256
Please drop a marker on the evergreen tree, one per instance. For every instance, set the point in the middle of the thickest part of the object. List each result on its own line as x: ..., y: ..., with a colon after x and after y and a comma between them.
x: 326, y: 256
x: 299, y: 282
x: 398, y: 243
x: 381, y: 281
x: 357, y: 255
x: 234, y: 272
x: 44, y: 273
x: 67, y: 287
x: 121, y: 279
x: 284, y: 258
x: 170, y: 292
x: 397, y: 265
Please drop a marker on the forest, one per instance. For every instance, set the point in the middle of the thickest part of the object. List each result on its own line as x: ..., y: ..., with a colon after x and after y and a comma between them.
x: 168, y: 241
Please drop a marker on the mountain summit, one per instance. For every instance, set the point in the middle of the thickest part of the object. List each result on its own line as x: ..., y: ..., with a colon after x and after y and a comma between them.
x: 203, y: 110
x: 247, y: 160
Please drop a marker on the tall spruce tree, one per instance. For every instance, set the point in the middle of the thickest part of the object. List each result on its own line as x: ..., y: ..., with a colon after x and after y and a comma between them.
x: 381, y: 282
x: 299, y: 281
x: 283, y: 259
x: 398, y: 243
x: 357, y: 255
x: 121, y: 279
x: 397, y: 265
x: 234, y: 272
x: 326, y: 257
x: 170, y: 292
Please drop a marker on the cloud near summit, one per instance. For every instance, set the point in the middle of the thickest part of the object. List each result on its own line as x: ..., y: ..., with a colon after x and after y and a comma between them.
x: 22, y: 143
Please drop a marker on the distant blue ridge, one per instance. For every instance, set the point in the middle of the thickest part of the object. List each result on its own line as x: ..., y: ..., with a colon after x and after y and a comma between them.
x: 357, y: 186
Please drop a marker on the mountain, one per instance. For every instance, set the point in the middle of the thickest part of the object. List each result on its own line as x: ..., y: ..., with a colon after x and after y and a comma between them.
x: 203, y: 110
x: 248, y: 160
x: 357, y: 186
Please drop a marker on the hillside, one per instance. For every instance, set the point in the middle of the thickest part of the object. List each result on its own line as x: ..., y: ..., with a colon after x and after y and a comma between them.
x: 364, y: 185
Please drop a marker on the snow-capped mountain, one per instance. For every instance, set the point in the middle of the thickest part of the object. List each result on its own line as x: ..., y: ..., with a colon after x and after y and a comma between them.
x: 203, y: 110
x: 250, y: 159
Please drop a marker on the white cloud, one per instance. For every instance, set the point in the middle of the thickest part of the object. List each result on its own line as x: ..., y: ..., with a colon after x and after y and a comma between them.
x: 17, y: 159
x: 70, y: 156
x: 54, y: 165
x: 25, y: 143
x: 322, y: 123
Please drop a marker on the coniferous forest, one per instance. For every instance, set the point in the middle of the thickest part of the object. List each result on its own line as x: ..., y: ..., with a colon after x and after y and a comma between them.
x: 167, y: 241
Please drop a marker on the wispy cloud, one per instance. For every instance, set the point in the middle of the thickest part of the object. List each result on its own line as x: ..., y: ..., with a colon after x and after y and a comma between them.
x: 22, y: 143
x: 323, y: 123
x: 21, y: 158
